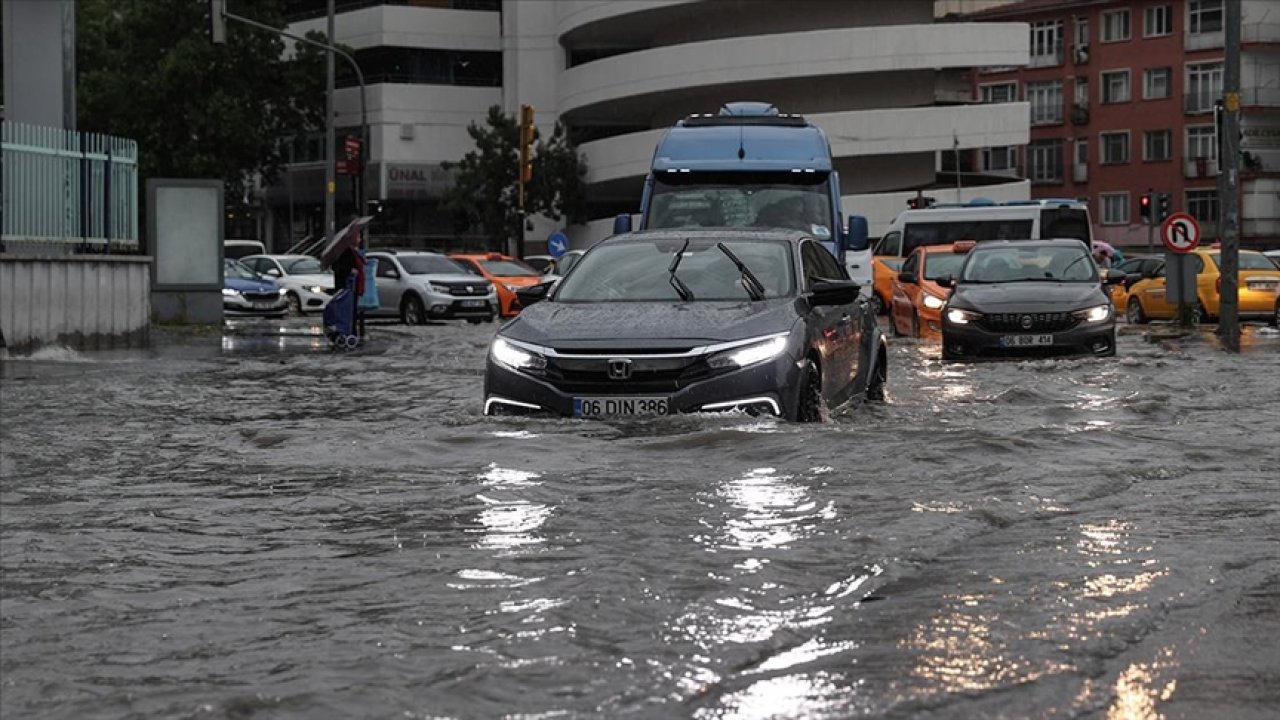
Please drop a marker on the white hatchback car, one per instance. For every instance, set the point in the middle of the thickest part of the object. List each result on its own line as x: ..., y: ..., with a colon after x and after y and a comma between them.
x: 305, y: 283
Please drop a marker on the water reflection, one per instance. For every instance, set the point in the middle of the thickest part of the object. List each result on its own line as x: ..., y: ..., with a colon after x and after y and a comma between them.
x: 508, y: 523
x: 1138, y: 689
x: 788, y: 696
x: 774, y: 513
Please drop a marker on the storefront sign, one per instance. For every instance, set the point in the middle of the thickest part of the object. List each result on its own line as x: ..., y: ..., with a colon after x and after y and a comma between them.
x: 416, y: 181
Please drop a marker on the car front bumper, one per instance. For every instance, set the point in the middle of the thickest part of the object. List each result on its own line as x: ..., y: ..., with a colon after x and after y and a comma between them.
x: 771, y: 387
x: 972, y: 341
x: 237, y: 305
x: 452, y: 307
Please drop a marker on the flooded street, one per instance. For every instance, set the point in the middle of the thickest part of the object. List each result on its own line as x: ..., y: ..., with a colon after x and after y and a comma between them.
x: 249, y: 527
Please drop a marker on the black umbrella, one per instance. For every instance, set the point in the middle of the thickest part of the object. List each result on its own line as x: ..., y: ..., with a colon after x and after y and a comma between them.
x: 348, y: 237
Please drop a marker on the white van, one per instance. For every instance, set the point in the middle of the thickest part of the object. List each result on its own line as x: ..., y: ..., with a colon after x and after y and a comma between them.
x: 1016, y: 220
x: 236, y: 249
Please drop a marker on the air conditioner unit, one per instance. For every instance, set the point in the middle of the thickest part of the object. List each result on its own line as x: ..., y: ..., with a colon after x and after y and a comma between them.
x: 1081, y: 54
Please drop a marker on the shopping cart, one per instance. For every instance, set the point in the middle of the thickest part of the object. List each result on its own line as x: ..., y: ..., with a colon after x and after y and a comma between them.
x: 339, y: 317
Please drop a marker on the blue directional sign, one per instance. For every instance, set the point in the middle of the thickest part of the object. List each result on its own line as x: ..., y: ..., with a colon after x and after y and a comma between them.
x: 557, y: 244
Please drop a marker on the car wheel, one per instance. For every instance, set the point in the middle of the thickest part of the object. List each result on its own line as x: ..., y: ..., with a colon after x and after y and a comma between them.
x: 295, y: 304
x: 1133, y: 312
x: 412, y: 311
x: 879, y: 305
x: 474, y: 321
x: 893, y: 325
x: 1202, y: 313
x: 876, y: 384
x: 810, y: 405
x: 489, y: 319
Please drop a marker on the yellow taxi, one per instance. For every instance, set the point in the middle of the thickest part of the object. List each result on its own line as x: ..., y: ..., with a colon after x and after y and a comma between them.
x: 916, y: 300
x: 1259, y: 279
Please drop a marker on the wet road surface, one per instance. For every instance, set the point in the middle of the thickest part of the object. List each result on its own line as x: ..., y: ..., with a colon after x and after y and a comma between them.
x: 247, y: 527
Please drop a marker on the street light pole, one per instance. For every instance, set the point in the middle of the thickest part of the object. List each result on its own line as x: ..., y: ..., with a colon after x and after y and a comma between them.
x: 1229, y: 200
x: 364, y: 115
x: 330, y: 177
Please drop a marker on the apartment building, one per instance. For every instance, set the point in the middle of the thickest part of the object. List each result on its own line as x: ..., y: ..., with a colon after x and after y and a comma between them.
x: 1122, y: 96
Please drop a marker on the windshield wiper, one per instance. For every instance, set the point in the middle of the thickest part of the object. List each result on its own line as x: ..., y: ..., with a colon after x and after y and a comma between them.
x: 685, y: 293
x: 750, y: 281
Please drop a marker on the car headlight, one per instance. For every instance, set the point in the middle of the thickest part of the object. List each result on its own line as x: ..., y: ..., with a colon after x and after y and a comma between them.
x: 315, y: 290
x: 933, y: 302
x: 229, y: 292
x: 1097, y: 313
x: 757, y: 352
x: 962, y: 317
x: 280, y: 291
x: 512, y: 288
x: 437, y: 287
x: 514, y: 357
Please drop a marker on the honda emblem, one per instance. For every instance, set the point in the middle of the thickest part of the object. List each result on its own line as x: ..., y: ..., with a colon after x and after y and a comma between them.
x: 620, y: 369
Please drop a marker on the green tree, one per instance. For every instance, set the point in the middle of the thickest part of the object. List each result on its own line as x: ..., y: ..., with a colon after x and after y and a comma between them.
x: 483, y: 195
x: 147, y: 70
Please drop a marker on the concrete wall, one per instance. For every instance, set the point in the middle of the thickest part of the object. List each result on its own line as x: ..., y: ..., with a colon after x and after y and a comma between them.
x: 85, y: 302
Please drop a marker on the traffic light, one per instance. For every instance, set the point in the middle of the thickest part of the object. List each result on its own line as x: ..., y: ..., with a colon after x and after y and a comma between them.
x: 1164, y: 206
x: 527, y: 132
x: 1144, y: 206
x: 920, y: 201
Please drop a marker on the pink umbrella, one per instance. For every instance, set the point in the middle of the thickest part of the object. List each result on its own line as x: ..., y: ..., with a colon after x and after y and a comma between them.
x: 1103, y: 248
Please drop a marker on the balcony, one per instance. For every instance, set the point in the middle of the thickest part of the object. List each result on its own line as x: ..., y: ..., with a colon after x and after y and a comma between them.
x: 1047, y: 59
x: 1201, y: 101
x: 1080, y: 114
x: 1080, y: 173
x: 1200, y: 167
x: 1202, y: 41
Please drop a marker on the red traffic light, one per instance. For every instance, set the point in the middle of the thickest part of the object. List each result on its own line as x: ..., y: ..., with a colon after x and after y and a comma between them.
x: 1146, y: 201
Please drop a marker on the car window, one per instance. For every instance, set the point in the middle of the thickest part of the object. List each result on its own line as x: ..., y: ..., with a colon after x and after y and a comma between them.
x: 890, y: 244
x: 828, y: 266
x: 468, y: 266
x: 508, y: 268
x: 638, y: 270
x: 1248, y: 261
x: 1025, y: 263
x: 942, y: 263
x: 430, y: 265
x: 303, y: 266
x: 911, y: 264
x: 386, y: 267
x: 234, y: 269
x: 567, y: 262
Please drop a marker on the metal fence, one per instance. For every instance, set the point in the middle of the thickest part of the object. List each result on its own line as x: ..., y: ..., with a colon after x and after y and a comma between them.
x: 68, y: 188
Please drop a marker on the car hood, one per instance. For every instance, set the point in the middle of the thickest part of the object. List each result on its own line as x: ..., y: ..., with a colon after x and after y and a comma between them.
x: 520, y: 280
x: 649, y: 324
x: 451, y: 279
x: 1027, y: 296
x: 253, y: 286
x: 325, y: 281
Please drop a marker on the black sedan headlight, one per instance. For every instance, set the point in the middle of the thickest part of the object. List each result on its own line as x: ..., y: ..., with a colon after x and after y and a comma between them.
x: 958, y: 316
x: 1095, y: 314
x: 515, y: 357
x: 753, y: 353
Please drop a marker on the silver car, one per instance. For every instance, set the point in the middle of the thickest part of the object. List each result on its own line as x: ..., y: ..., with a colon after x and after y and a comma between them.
x: 422, y: 286
x: 307, y: 286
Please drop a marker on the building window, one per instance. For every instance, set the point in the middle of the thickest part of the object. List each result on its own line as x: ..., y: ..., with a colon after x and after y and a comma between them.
x: 1082, y: 92
x: 1115, y: 148
x: 1046, y: 102
x: 1204, y: 86
x: 1082, y: 31
x: 1115, y: 208
x: 1202, y: 142
x: 1204, y: 16
x: 999, y: 92
x: 1044, y: 161
x: 1157, y: 20
x: 999, y: 159
x: 1157, y: 145
x: 1082, y: 151
x: 1046, y: 43
x: 1156, y: 83
x: 1203, y: 206
x: 1115, y: 25
x: 1115, y: 86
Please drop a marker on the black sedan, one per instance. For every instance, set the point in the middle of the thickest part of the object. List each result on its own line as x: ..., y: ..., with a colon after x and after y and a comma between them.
x: 663, y: 322
x: 1018, y: 297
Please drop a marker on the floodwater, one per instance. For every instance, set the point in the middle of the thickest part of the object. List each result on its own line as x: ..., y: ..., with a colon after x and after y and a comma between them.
x: 246, y: 527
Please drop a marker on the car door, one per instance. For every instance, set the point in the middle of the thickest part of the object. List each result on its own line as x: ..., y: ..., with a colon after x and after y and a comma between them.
x: 840, y: 327
x: 1153, y: 295
x: 389, y: 282
x: 905, y: 295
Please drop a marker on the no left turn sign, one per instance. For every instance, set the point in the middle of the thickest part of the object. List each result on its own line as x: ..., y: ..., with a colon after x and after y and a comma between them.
x: 1180, y: 233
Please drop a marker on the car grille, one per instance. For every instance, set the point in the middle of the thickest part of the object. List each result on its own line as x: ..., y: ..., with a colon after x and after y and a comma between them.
x: 1040, y: 322
x: 260, y: 297
x: 467, y: 289
x: 591, y: 376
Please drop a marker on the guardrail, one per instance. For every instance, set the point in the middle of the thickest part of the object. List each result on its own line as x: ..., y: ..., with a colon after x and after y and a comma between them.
x: 63, y: 187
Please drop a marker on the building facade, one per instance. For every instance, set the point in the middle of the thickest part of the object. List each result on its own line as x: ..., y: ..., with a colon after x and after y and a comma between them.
x: 889, y: 86
x: 1122, y: 96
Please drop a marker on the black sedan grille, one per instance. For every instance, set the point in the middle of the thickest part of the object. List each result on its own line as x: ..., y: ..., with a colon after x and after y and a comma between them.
x: 467, y: 289
x: 581, y: 377
x: 1045, y: 322
x: 260, y: 297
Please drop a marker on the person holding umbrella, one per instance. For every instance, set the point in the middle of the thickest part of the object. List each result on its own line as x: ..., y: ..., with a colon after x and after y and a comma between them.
x: 343, y: 254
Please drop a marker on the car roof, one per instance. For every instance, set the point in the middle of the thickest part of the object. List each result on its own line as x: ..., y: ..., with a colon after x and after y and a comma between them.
x: 794, y: 236
x: 1043, y: 242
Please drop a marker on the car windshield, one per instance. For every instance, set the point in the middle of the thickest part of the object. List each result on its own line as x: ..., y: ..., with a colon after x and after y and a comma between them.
x: 302, y: 266
x: 1063, y: 263
x: 743, y: 200
x: 430, y: 265
x: 942, y: 263
x: 237, y: 269
x: 637, y: 270
x: 1248, y: 261
x: 508, y: 268
x: 944, y: 232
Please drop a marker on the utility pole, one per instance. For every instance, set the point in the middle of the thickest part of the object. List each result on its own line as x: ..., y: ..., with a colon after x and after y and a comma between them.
x: 1229, y: 199
x: 330, y: 176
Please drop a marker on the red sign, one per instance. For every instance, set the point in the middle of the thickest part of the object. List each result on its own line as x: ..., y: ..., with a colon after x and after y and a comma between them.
x: 351, y: 145
x: 347, y: 167
x: 1180, y: 233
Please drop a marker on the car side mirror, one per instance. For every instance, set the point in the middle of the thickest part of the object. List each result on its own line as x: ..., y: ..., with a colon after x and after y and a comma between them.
x: 946, y: 281
x: 1113, y: 277
x: 622, y: 223
x: 533, y: 293
x: 273, y: 272
x: 834, y: 292
x: 906, y: 277
x: 857, y: 238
